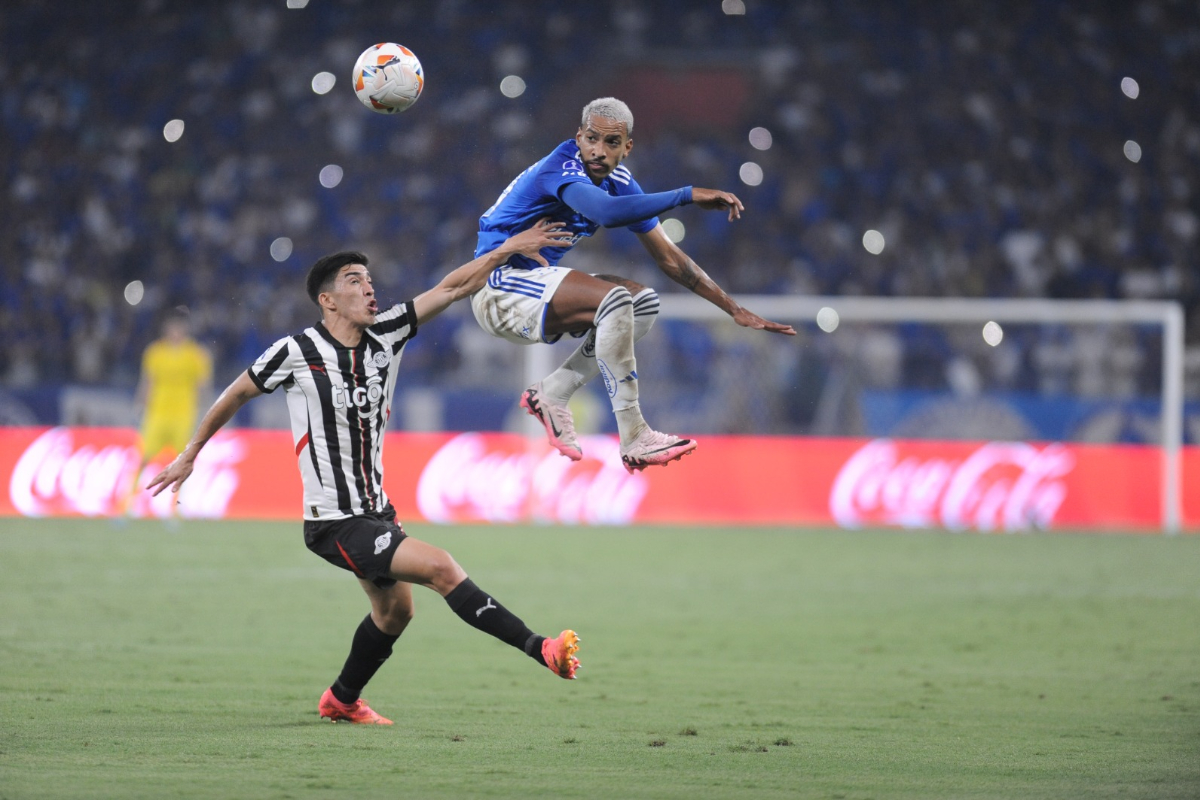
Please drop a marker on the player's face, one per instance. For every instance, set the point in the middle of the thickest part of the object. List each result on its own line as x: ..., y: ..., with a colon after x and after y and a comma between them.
x: 603, y: 144
x: 353, y: 297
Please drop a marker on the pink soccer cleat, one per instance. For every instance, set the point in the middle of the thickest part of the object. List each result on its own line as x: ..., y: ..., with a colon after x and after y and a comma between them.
x: 651, y: 448
x: 557, y: 420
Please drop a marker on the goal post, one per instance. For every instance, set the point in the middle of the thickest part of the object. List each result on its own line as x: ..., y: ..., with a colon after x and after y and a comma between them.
x: 1167, y: 315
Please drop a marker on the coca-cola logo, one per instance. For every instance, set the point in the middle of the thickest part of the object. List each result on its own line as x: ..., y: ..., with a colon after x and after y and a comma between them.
x: 58, y: 475
x: 473, y: 477
x: 999, y: 486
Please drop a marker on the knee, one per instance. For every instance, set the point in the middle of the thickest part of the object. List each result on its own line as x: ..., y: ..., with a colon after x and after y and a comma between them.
x: 616, y: 306
x: 394, y: 617
x: 633, y: 286
x: 445, y: 573
x: 645, y: 312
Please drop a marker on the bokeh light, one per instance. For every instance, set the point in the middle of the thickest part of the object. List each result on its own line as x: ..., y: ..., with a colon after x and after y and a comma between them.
x: 1130, y: 87
x: 331, y: 175
x: 993, y: 334
x: 322, y: 82
x: 760, y: 139
x: 134, y: 292
x: 750, y: 173
x: 297, y: 3
x: 674, y: 229
x: 512, y: 86
x: 1133, y: 151
x: 873, y: 242
x: 827, y: 319
x: 173, y: 130
x: 281, y: 248
x: 733, y: 8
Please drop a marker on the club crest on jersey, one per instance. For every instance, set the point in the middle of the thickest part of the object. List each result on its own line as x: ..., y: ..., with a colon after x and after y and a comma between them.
x: 381, y: 359
x: 359, y: 396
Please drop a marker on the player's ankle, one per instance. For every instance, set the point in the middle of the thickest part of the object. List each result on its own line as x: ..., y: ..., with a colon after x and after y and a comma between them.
x: 630, y: 423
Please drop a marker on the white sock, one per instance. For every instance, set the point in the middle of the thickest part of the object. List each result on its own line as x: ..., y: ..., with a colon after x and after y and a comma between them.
x: 580, y: 367
x: 614, y: 357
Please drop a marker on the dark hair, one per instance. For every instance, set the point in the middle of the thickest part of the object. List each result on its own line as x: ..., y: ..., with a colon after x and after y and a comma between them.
x: 323, y: 273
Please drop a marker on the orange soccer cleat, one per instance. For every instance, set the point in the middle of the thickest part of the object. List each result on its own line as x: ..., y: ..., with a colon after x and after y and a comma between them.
x: 559, y: 654
x: 357, y: 712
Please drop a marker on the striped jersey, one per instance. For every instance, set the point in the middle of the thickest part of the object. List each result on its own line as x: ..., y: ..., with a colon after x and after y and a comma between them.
x: 339, y: 400
x: 537, y: 193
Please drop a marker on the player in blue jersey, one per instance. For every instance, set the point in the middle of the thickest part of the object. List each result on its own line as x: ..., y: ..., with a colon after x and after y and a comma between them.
x: 583, y: 184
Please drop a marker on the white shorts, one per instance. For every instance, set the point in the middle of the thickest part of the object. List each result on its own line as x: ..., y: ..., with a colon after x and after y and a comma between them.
x: 513, y: 303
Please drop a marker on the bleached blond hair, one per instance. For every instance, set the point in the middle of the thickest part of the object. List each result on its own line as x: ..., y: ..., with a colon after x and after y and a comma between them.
x: 610, y: 108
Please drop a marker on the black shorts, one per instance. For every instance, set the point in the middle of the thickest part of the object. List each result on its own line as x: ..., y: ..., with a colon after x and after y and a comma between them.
x: 363, y: 544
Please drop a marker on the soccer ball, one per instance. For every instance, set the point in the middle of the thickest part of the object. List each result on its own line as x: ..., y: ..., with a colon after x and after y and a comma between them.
x: 388, y: 78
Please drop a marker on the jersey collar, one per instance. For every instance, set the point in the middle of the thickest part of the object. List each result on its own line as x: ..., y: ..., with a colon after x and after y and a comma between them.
x: 329, y: 337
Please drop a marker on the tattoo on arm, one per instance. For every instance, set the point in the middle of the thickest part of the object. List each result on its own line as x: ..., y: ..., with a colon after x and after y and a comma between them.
x: 689, y: 274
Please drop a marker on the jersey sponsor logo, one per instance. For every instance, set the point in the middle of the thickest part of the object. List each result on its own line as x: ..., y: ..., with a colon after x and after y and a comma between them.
x: 360, y: 396
x: 382, y: 541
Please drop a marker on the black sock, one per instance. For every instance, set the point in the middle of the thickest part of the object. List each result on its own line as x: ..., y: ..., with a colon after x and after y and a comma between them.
x: 370, y: 648
x: 480, y: 611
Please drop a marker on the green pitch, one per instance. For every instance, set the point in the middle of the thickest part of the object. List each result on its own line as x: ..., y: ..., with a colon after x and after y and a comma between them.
x: 139, y: 662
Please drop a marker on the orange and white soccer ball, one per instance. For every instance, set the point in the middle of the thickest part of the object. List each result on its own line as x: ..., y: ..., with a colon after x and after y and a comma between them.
x: 388, y: 78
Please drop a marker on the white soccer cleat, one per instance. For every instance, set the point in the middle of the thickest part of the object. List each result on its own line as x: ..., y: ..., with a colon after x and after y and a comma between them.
x: 651, y: 448
x: 557, y: 420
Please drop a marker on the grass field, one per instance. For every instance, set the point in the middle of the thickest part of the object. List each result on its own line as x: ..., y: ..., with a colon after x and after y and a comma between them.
x: 137, y: 662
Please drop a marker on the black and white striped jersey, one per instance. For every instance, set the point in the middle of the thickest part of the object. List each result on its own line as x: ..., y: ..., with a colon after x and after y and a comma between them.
x: 339, y: 399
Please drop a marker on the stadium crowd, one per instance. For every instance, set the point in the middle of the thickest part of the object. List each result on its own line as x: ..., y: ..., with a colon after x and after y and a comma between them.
x: 991, y: 144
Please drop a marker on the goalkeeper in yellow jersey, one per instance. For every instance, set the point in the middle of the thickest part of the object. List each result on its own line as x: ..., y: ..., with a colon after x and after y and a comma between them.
x: 176, y: 371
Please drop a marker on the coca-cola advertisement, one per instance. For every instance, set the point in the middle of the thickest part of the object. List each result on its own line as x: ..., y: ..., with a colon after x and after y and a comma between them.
x: 730, y: 480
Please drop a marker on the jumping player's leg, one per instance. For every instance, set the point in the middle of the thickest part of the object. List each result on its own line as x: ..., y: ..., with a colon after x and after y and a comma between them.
x: 612, y: 310
x: 580, y: 367
x: 423, y: 564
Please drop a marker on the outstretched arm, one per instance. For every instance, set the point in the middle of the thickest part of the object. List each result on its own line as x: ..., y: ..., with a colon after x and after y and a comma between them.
x: 677, y: 266
x: 470, y: 277
x: 612, y: 211
x: 236, y: 395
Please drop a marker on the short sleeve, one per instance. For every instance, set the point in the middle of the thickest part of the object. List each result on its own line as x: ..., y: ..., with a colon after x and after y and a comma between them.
x: 559, y: 172
x: 396, y: 325
x: 274, y: 366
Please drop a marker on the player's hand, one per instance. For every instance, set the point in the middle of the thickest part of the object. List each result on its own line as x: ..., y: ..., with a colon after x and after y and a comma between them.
x: 172, y: 477
x: 545, y: 233
x: 716, y: 200
x: 748, y: 319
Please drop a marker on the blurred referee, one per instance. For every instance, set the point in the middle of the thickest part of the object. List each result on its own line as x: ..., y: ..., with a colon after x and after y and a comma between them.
x: 339, y: 377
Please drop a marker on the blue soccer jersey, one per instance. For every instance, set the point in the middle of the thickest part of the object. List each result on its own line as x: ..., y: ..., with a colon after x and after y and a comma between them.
x: 537, y: 193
